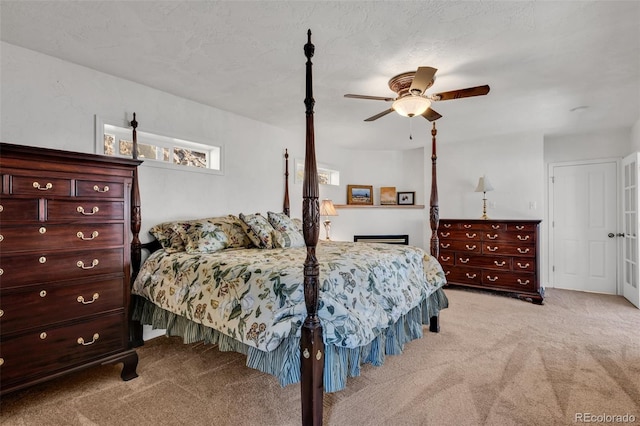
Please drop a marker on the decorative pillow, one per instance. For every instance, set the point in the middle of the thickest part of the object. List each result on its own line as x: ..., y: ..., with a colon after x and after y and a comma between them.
x: 232, y: 226
x: 168, y: 238
x: 259, y: 230
x: 204, y: 237
x: 287, y: 233
x: 297, y: 222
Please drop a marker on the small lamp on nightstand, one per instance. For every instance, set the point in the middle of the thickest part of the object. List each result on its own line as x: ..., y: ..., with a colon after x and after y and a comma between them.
x: 327, y: 209
x: 484, y: 186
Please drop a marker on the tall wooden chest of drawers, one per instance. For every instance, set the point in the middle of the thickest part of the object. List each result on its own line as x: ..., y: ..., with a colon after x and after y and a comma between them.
x: 501, y: 255
x: 64, y: 264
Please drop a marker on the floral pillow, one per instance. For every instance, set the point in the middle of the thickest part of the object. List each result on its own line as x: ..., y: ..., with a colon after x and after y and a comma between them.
x: 259, y: 230
x: 168, y: 238
x: 287, y: 233
x: 232, y: 226
x: 204, y: 237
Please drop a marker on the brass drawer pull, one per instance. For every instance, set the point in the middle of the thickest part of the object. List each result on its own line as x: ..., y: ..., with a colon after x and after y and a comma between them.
x: 43, y: 335
x: 445, y: 234
x: 1, y: 313
x: 523, y: 283
x: 443, y: 245
x: 473, y: 247
x: 445, y: 258
x: 447, y: 272
x: 1, y: 208
x: 80, y: 299
x: 495, y: 226
x: 471, y: 276
x: 492, y: 248
x: 492, y: 237
x: 463, y: 260
x: 466, y: 226
x: 1, y: 362
x: 494, y: 279
x: 1, y: 271
x: 471, y: 236
x: 521, y: 238
x: 47, y: 187
x: 43, y: 293
x: 521, y: 266
x: 94, y: 263
x: 42, y: 259
x: 446, y: 225
x: 42, y: 230
x: 504, y: 262
x: 97, y: 188
x: 1, y: 237
x: 523, y: 251
x: 80, y: 235
x: 519, y: 227
x: 94, y: 210
x: 96, y: 336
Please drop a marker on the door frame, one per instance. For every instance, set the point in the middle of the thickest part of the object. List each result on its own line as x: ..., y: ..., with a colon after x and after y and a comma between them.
x: 618, y: 215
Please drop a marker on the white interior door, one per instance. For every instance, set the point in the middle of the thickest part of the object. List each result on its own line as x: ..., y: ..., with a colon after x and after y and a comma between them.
x: 631, y: 246
x: 584, y: 212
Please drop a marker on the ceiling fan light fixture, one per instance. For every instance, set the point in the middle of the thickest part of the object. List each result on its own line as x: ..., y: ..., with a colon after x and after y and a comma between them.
x: 409, y: 106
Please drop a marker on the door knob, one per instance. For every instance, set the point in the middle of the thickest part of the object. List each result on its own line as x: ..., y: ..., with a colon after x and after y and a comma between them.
x: 611, y: 235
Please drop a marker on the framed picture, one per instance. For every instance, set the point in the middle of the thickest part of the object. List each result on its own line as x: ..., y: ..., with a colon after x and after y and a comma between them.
x: 360, y: 194
x: 387, y: 195
x: 406, y: 198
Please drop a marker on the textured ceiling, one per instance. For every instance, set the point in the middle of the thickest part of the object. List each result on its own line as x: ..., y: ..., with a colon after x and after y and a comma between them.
x: 541, y: 59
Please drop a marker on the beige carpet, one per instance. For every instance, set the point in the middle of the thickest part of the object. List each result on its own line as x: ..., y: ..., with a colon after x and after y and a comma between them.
x: 496, y: 361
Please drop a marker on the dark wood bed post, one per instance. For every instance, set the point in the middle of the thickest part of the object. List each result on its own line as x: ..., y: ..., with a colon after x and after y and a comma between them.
x: 434, y: 216
x: 285, y: 205
x: 135, y: 328
x: 311, y: 344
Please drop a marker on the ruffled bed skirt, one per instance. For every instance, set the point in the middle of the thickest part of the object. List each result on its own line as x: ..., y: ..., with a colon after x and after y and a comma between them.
x: 284, y: 361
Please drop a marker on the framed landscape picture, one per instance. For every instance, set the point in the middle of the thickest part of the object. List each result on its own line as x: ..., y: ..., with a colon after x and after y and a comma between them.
x: 388, y: 195
x: 406, y: 198
x: 360, y: 194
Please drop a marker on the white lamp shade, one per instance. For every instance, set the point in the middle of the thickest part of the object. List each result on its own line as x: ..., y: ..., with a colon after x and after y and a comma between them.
x: 410, y: 105
x: 327, y: 208
x: 484, y: 185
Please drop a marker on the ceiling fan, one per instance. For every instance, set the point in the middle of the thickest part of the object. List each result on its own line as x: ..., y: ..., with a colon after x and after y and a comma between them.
x: 412, y: 100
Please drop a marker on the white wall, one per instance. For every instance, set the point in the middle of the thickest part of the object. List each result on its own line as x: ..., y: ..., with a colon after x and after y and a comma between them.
x: 635, y: 137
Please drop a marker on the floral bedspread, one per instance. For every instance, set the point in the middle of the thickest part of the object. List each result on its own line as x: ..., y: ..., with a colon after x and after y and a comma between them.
x: 256, y: 295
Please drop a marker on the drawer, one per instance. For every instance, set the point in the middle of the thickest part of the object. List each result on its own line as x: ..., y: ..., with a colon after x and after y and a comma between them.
x: 463, y: 246
x: 523, y: 282
x: 526, y: 250
x: 519, y: 237
x: 99, y: 189
x: 463, y: 275
x: 446, y: 258
x: 83, y: 210
x: 47, y: 237
x: 493, y: 262
x: 463, y: 235
x: 19, y: 210
x: 20, y: 269
x: 36, y: 306
x: 524, y: 264
x: 40, y: 186
x: 48, y: 350
x: 525, y: 227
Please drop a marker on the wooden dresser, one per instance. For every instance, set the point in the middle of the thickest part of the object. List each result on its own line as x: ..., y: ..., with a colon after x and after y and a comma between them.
x: 64, y: 264
x: 501, y: 255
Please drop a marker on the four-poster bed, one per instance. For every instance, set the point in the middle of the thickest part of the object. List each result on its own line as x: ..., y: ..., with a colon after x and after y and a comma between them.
x: 349, y: 303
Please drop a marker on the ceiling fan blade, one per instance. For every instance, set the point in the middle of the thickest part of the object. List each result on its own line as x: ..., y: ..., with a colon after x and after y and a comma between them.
x: 382, y: 114
x: 461, y: 93
x: 373, y: 98
x: 431, y: 115
x: 422, y: 80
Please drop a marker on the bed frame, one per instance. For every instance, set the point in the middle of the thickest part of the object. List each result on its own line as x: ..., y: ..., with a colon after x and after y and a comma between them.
x: 311, y: 342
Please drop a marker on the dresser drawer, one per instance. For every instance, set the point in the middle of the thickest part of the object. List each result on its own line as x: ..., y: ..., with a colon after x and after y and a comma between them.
x: 35, y: 306
x: 464, y: 275
x: 522, y: 237
x: 18, y: 270
x: 510, y: 280
x: 83, y: 210
x: 463, y: 235
x: 40, y: 186
x: 18, y: 210
x: 446, y: 258
x: 527, y: 250
x: 492, y: 262
x: 56, y: 348
x: 99, y: 189
x: 47, y: 237
x: 463, y: 246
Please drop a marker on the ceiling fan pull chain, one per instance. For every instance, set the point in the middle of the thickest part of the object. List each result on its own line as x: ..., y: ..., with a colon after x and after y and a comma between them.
x: 410, y: 130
